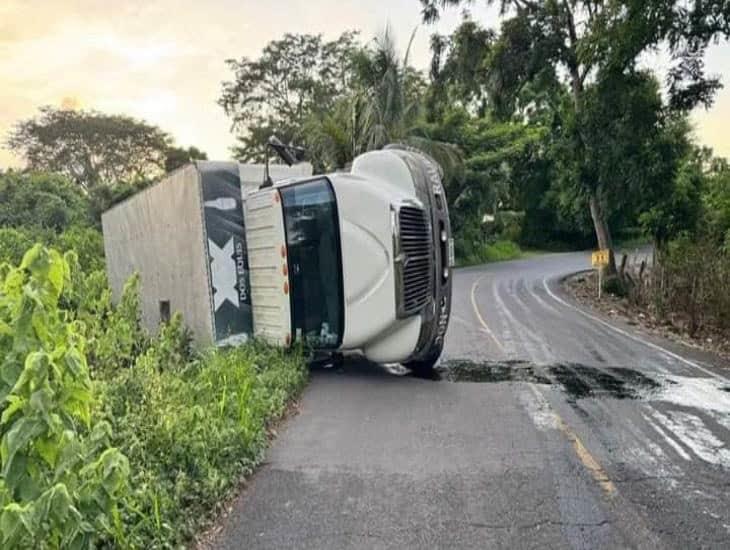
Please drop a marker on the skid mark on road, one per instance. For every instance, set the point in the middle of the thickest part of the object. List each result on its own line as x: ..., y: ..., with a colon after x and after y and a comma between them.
x: 684, y: 433
x: 515, y: 292
x: 514, y: 331
x: 588, y: 342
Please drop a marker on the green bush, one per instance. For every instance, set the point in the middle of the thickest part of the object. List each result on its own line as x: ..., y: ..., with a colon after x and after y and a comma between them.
x: 42, y: 200
x: 494, y: 252
x: 61, y: 481
x: 509, y: 225
x: 717, y: 204
x: 139, y: 448
x: 115, y: 335
x: 192, y: 427
x: 691, y: 282
x: 14, y: 243
x: 86, y: 242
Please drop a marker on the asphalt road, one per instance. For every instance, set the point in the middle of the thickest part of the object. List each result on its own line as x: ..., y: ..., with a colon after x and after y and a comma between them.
x: 549, y: 428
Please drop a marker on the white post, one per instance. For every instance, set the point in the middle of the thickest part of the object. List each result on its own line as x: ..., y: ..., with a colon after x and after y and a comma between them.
x: 600, y: 281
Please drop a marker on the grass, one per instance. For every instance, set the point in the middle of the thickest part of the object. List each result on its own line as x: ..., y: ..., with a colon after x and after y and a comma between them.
x: 192, y: 431
x: 498, y: 251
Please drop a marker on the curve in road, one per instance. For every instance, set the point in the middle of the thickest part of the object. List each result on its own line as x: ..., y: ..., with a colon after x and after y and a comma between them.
x: 551, y: 427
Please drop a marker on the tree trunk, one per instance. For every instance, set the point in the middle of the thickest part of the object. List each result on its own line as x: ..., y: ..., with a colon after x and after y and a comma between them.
x: 603, y: 234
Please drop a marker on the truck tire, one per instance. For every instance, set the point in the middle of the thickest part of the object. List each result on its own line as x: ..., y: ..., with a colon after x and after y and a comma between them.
x: 425, y: 368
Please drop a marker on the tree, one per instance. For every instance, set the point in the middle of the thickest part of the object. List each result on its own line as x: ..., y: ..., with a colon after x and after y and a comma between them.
x: 507, y: 150
x: 679, y: 209
x: 459, y: 69
x: 42, y: 200
x: 588, y: 41
x: 91, y: 148
x: 175, y: 157
x: 622, y: 148
x: 384, y: 106
x: 294, y: 77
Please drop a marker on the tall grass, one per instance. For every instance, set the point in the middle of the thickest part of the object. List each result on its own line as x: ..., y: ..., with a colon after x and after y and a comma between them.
x: 490, y: 252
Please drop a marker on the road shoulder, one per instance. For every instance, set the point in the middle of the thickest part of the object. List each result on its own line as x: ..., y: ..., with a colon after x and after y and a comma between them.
x: 579, y: 289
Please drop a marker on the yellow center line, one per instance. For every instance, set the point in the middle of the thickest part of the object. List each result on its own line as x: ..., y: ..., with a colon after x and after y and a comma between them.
x: 479, y: 315
x: 588, y: 460
x: 584, y: 455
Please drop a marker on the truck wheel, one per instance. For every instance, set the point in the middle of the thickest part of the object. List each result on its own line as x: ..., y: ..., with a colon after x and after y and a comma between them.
x: 425, y: 368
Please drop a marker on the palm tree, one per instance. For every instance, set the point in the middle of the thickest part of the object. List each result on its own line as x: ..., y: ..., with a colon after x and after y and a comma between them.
x: 384, y: 106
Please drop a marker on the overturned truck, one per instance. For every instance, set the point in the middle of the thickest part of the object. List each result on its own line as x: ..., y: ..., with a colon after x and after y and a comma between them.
x: 347, y: 262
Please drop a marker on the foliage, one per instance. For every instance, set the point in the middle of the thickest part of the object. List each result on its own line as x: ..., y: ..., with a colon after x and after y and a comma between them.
x: 103, y: 197
x: 483, y: 252
x: 690, y: 284
x: 14, y: 243
x: 60, y: 482
x: 117, y: 339
x: 91, y: 148
x: 587, y: 48
x: 48, y: 201
x: 459, y: 69
x: 678, y: 211
x: 175, y: 157
x: 716, y: 201
x: 187, y: 424
x: 390, y: 91
x: 504, y: 168
x: 381, y: 107
x: 295, y: 76
x: 86, y: 243
x: 193, y: 427
x: 619, y: 150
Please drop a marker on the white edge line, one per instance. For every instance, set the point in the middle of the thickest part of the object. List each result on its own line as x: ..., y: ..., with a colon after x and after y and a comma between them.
x: 633, y: 337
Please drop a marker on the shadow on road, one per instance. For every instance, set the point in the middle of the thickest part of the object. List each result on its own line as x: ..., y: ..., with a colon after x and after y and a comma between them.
x: 354, y: 367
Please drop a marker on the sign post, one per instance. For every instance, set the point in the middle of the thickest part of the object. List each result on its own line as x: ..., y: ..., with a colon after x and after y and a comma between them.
x: 599, y: 260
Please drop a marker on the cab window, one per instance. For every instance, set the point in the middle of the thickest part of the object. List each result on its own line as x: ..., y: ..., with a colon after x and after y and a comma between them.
x: 315, y: 263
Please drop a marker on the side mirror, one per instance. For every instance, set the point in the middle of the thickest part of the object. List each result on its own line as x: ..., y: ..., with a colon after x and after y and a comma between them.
x: 290, y: 154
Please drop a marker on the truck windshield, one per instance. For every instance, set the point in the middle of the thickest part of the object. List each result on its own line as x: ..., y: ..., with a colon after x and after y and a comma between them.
x: 315, y: 263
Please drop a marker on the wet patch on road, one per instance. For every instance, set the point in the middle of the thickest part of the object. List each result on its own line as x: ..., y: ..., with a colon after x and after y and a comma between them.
x: 576, y: 380
x: 461, y: 370
x: 580, y: 381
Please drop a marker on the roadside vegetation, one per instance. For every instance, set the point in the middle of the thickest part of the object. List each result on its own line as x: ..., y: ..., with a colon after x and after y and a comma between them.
x: 110, y: 436
x: 553, y: 133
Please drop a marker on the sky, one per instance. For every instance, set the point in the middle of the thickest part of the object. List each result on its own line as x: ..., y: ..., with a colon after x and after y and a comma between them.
x: 164, y: 60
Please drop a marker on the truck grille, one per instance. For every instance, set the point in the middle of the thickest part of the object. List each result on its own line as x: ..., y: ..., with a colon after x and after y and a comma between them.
x: 415, y: 249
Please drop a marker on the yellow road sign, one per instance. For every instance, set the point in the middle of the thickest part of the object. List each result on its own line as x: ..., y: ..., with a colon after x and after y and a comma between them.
x: 600, y: 258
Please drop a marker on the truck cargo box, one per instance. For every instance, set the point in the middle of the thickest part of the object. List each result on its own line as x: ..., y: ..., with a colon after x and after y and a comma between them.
x: 185, y: 236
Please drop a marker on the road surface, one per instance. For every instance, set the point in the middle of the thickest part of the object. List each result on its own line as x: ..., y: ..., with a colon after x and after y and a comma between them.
x: 549, y: 428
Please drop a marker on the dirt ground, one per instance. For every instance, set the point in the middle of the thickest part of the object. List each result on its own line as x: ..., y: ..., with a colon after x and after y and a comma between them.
x: 583, y: 287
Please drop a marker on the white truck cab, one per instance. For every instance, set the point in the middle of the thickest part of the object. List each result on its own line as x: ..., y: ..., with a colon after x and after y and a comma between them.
x: 354, y: 262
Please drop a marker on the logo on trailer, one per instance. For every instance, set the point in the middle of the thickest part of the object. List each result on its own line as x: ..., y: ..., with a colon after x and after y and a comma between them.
x: 223, y: 270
